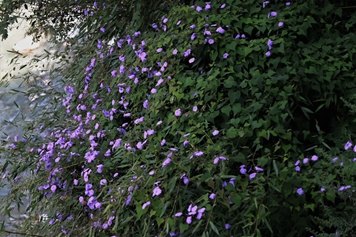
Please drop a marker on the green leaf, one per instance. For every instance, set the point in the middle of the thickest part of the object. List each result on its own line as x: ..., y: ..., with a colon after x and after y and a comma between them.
x: 275, y: 167
x: 213, y: 227
x: 183, y: 227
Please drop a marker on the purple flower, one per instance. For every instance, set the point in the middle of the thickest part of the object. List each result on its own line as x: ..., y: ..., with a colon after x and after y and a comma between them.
x: 191, y: 60
x: 189, y: 220
x: 207, y: 32
x: 178, y: 214
x: 242, y: 169
x: 220, y: 30
x: 258, y: 169
x: 227, y: 226
x: 314, y: 158
x: 212, y: 196
x: 300, y: 191
x: 166, y: 162
x: 187, y: 53
x: 192, y: 37
x: 178, y: 23
x: 237, y: 36
x: 210, y: 41
x: 297, y: 163
x: 156, y: 191
x: 185, y: 143
x: 268, y: 54
x: 198, y: 9
x: 53, y: 188
x: 225, y: 55
x: 269, y: 44
x: 102, y: 29
x: 192, y: 26
x: 287, y: 3
x: 163, y: 142
x: 216, y: 132
x: 274, y: 14
x: 207, y: 6
x: 348, y: 145
x: 223, y: 6
x: 252, y: 176
x: 200, y: 213
x: 297, y: 168
x: 145, y: 104
x: 305, y: 160
x: 139, y: 145
x: 185, y: 180
x: 159, y: 50
x: 334, y: 159
x: 103, y: 182
x: 264, y: 4
x: 178, y: 112
x: 216, y: 160
x: 322, y: 189
x: 100, y: 168
x: 145, y: 205
x: 280, y: 24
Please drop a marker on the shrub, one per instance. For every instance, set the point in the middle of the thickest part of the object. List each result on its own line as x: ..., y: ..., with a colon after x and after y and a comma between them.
x: 194, y: 127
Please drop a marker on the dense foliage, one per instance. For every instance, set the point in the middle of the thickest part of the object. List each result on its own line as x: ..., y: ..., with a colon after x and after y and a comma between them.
x: 223, y: 118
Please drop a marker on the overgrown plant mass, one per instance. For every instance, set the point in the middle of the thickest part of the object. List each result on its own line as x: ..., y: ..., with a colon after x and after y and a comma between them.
x: 221, y: 118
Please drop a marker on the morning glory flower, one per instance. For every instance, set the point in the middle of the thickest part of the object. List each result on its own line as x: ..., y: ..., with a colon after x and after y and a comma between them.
x: 322, y: 189
x: 192, y: 37
x: 192, y: 26
x: 223, y: 6
x: 300, y: 191
x: 269, y: 44
x: 212, y: 196
x: 102, y: 29
x: 334, y: 159
x: 189, y: 220
x: 145, y: 205
x: 347, y: 145
x: 252, y: 176
x: 166, y: 162
x: 305, y: 160
x: 314, y: 158
x: 268, y: 54
x: 210, y: 41
x: 157, y: 191
x: 287, y: 3
x: 178, y: 214
x: 264, y: 4
x: 198, y: 9
x: 191, y: 60
x: 297, y: 168
x: 225, y: 55
x: 242, y: 169
x: 280, y: 24
x: 216, y: 132
x: 274, y: 14
x: 175, y: 51
x: 145, y: 104
x: 227, y: 226
x: 220, y: 30
x: 178, y: 112
x: 187, y: 53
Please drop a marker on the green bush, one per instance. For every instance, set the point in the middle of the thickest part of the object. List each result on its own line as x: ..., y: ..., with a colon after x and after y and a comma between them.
x: 195, y: 127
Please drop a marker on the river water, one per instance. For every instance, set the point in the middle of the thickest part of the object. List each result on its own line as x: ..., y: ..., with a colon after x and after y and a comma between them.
x: 12, y: 104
